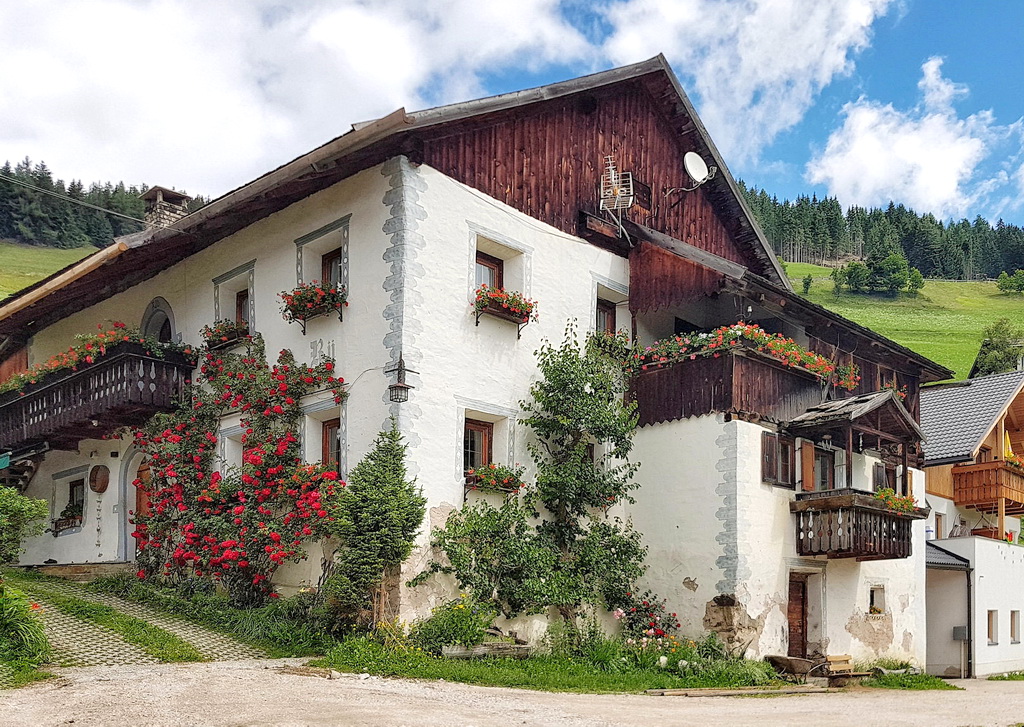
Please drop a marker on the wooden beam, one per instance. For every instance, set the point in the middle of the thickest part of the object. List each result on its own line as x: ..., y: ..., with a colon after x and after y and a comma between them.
x: 1002, y: 517
x: 906, y: 469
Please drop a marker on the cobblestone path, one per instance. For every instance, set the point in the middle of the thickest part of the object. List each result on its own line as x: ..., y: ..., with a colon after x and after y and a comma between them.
x: 80, y: 643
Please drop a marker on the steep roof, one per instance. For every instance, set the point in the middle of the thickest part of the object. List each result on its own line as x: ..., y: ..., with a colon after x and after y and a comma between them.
x: 957, y: 417
x: 367, y: 144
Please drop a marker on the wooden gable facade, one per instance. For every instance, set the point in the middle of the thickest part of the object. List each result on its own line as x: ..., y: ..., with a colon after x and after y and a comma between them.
x: 546, y: 160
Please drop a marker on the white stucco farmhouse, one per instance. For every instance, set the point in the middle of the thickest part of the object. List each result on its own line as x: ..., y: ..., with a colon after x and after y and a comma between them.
x: 758, y: 475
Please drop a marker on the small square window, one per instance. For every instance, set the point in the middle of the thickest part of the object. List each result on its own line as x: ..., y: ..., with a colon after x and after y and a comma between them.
x: 330, y: 269
x: 876, y: 600
x: 331, y: 445
x: 605, y: 316
x: 778, y: 459
x: 993, y: 628
x: 476, y: 446
x: 242, y: 307
x: 489, y: 270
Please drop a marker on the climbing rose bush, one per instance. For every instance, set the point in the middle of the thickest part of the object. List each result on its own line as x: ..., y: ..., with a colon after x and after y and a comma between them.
x: 234, y: 525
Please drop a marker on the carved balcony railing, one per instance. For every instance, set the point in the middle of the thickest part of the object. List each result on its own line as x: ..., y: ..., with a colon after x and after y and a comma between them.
x: 851, y: 524
x: 738, y: 380
x: 981, y: 486
x: 123, y: 387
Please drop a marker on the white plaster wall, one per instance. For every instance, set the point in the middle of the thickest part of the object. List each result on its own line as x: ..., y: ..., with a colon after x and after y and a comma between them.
x: 680, y: 511
x: 947, y: 608
x: 100, y: 538
x: 706, y: 516
x: 483, y: 369
x: 998, y: 572
x: 953, y: 515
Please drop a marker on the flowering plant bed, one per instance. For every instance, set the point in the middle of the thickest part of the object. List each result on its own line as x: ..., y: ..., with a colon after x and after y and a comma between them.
x: 740, y: 335
x: 495, y: 478
x: 224, y: 333
x: 310, y: 300
x: 90, y: 349
x: 894, y: 502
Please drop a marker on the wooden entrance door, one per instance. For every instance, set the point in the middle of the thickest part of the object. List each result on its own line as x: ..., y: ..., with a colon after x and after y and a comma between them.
x: 797, y: 613
x: 142, y: 507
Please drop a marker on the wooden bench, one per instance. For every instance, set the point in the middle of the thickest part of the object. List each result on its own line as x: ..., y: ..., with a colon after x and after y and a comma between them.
x: 840, y: 670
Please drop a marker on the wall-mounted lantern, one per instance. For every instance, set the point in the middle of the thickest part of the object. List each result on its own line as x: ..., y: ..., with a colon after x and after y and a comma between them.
x: 399, y: 391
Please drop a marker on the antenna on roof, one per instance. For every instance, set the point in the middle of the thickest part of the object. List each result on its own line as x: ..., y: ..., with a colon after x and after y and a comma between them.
x: 616, y: 192
x: 698, y: 171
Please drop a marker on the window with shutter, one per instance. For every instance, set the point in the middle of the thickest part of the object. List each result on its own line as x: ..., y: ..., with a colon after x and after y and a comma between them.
x: 769, y: 457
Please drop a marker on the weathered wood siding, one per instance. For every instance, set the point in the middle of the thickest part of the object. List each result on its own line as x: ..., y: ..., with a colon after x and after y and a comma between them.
x: 734, y: 382
x: 547, y: 160
x: 14, y: 364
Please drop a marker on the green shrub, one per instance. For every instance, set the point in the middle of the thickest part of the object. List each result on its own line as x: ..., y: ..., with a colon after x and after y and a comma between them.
x: 462, y: 622
x: 21, y: 634
x: 20, y: 517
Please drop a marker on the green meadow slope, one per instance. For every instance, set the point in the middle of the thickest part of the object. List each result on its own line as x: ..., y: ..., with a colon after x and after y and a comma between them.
x: 943, y: 322
x: 22, y: 265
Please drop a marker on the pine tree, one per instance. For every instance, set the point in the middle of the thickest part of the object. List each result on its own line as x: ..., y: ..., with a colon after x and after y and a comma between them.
x: 376, y: 520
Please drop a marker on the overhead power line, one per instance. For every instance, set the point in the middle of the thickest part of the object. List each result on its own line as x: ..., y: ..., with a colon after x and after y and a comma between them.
x: 66, y: 198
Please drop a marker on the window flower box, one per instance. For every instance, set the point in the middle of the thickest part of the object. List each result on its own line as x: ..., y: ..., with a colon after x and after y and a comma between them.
x: 508, y: 305
x: 312, y: 300
x: 63, y: 524
x: 224, y: 334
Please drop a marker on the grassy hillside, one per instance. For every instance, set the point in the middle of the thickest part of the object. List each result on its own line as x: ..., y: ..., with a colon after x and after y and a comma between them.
x: 944, y: 322
x: 22, y: 265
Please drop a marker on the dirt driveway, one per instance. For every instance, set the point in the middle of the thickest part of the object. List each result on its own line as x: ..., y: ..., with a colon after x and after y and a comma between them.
x: 253, y: 693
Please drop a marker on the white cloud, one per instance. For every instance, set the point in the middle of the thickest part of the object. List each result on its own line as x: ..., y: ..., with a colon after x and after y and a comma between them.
x: 756, y: 65
x: 926, y: 157
x: 206, y: 95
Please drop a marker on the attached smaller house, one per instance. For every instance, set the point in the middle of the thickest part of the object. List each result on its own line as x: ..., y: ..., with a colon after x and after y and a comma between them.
x: 975, y: 487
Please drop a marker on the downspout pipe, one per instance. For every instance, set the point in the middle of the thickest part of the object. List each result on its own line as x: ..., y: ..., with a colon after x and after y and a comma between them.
x: 970, y: 622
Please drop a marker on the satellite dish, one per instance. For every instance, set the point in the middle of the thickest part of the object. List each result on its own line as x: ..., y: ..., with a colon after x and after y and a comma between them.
x: 695, y: 166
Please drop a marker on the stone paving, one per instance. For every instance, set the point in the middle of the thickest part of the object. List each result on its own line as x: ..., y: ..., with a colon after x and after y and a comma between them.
x: 212, y: 645
x: 80, y: 643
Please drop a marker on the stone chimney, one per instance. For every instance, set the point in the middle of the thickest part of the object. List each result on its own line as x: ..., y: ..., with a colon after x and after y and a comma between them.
x: 164, y: 206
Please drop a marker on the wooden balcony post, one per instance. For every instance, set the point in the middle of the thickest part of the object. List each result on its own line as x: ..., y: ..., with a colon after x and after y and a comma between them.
x: 849, y: 458
x: 1002, y: 518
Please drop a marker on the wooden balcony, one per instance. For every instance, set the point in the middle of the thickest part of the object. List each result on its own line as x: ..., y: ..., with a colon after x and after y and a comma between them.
x: 851, y: 524
x: 982, y: 486
x: 124, y: 387
x: 739, y: 380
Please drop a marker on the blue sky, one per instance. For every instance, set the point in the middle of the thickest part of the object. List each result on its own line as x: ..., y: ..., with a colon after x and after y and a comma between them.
x: 914, y: 100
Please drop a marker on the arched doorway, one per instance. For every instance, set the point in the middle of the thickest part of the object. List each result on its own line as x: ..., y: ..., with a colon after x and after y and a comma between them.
x: 134, y: 500
x: 158, y: 321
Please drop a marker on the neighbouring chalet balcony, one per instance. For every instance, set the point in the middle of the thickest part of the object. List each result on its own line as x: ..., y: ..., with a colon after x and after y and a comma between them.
x: 739, y: 379
x: 123, y: 387
x: 847, y: 523
x: 988, y: 486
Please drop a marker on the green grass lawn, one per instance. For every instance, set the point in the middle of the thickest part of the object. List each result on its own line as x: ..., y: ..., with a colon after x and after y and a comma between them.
x: 943, y: 322
x: 22, y: 265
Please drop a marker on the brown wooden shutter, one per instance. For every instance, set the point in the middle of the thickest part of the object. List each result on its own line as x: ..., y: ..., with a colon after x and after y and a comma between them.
x: 769, y: 457
x: 807, y: 465
x: 878, y: 476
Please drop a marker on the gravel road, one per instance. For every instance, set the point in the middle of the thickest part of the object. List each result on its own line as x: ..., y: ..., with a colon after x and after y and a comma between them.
x: 255, y: 693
